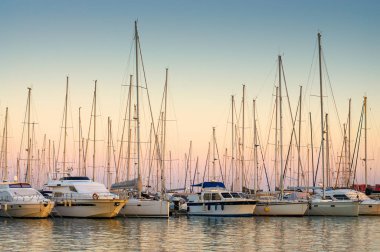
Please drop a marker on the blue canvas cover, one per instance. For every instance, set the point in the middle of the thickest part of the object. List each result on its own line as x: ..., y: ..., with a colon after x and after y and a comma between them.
x: 211, y: 184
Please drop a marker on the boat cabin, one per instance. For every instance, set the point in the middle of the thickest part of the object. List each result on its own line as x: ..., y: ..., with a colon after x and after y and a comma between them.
x: 14, y: 189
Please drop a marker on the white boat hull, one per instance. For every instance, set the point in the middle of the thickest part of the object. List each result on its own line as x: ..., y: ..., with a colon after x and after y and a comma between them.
x: 369, y: 208
x: 221, y: 209
x: 333, y: 208
x: 88, y: 208
x: 145, y: 208
x: 281, y: 208
x: 25, y: 210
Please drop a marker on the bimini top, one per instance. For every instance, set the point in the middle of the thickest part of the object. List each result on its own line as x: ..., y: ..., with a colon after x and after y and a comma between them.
x: 212, y: 184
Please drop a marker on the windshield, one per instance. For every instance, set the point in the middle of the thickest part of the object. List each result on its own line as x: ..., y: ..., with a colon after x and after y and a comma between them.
x: 235, y: 195
x: 25, y: 192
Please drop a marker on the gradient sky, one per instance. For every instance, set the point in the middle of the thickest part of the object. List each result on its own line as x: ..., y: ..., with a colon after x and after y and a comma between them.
x: 210, y: 47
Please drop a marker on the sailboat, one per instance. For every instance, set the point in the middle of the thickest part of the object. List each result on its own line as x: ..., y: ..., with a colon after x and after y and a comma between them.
x: 367, y: 206
x: 270, y: 205
x: 79, y: 196
x: 137, y: 205
x: 321, y: 203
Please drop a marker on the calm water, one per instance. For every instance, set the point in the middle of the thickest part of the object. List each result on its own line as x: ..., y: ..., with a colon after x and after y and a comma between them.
x: 192, y: 234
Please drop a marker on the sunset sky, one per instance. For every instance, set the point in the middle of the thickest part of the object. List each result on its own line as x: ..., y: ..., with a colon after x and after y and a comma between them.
x: 211, y: 49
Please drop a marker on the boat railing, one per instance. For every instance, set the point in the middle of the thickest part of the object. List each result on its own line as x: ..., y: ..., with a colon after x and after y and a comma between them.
x: 23, y: 198
x: 93, y: 195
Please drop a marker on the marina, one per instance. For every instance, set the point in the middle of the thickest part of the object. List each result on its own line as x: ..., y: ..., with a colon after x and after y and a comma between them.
x: 189, y: 126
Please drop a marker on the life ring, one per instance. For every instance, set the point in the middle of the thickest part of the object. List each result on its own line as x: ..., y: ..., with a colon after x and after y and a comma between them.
x: 266, y: 209
x: 95, y: 196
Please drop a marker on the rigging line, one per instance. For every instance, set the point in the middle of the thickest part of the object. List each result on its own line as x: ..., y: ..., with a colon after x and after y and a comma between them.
x: 220, y: 165
x: 356, y: 143
x: 113, y: 149
x: 291, y: 116
x: 317, y: 168
x: 127, y: 111
x: 263, y: 159
x: 290, y: 145
x: 195, y: 174
x: 226, y: 127
x: 340, y: 158
x: 150, y: 155
x: 72, y: 127
x: 356, y: 146
x: 23, y: 128
x: 147, y: 92
x: 206, y: 164
x: 311, y: 68
x: 319, y: 157
x: 266, y: 78
x: 333, y: 151
x: 270, y: 126
x: 89, y: 132
x: 60, y: 135
x: 124, y: 79
x: 332, y: 94
x: 357, y: 155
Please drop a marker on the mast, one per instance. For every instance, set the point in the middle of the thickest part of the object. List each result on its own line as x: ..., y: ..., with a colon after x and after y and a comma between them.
x: 5, y: 146
x: 299, y: 140
x: 65, y: 128
x: 327, y: 153
x: 276, y: 145
x: 79, y: 142
x: 322, y: 124
x: 232, y: 139
x: 170, y: 169
x: 163, y: 189
x: 349, y: 136
x: 281, y: 139
x: 225, y: 166
x: 93, y: 157
x: 365, y: 142
x: 255, y: 148
x: 28, y: 168
x: 109, y: 154
x: 242, y: 143
x: 189, y: 163
x: 312, y: 149
x: 49, y: 161
x: 129, y: 128
x: 139, y: 186
x: 213, y: 153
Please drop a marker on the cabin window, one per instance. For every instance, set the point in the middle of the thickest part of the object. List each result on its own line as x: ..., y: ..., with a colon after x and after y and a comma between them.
x: 58, y: 194
x: 341, y: 197
x: 72, y: 189
x: 235, y: 195
x: 328, y: 197
x: 207, y: 196
x: 216, y: 196
x: 226, y: 195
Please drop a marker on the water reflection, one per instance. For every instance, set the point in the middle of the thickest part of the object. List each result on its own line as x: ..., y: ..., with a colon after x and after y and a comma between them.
x: 192, y: 234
